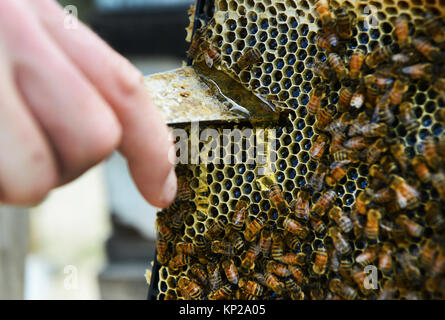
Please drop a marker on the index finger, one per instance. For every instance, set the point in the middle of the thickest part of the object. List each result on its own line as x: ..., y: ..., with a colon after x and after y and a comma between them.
x: 145, y: 137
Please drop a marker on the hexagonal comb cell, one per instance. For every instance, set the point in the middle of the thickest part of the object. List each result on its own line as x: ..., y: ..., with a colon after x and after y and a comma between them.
x: 359, y: 174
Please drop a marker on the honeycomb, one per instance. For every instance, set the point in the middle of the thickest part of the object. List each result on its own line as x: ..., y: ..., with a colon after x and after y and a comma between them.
x: 285, y: 32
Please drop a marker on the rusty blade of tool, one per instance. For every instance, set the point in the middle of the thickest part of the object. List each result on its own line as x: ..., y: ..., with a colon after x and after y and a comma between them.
x: 191, y: 94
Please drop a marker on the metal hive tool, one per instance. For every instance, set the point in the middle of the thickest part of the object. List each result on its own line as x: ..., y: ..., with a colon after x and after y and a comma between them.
x: 285, y: 32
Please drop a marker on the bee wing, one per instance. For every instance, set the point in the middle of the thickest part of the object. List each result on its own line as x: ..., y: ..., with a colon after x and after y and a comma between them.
x: 208, y: 60
x: 401, y: 200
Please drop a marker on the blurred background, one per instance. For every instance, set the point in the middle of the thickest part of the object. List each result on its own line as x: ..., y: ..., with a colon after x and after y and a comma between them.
x: 94, y: 238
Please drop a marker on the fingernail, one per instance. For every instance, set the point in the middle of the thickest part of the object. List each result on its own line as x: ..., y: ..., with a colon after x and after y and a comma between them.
x: 169, y: 189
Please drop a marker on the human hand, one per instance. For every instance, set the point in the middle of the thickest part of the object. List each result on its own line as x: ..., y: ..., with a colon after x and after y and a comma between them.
x: 67, y: 100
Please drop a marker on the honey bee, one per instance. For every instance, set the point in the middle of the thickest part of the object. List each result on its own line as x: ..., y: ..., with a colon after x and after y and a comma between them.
x: 345, y: 156
x: 195, y: 44
x: 292, y: 242
x: 385, y: 263
x: 293, y: 258
x: 438, y: 266
x: 323, y: 70
x: 230, y: 271
x: 276, y: 197
x: 223, y: 293
x: 265, y: 241
x: 406, y: 196
x: 429, y: 150
x: 326, y: 41
x: 367, y: 257
x: 190, y: 288
x: 342, y: 220
x: 338, y: 172
x: 370, y: 130
x: 428, y: 50
x: 345, y: 269
x: 223, y: 247
x: 362, y: 202
x: 356, y: 143
x: 398, y: 90
x: 321, y: 260
x: 179, y: 261
x: 293, y: 226
x: 359, y: 277
x: 358, y: 226
x: 201, y: 243
x: 318, y: 148
x: 165, y: 232
x: 428, y: 253
x: 421, y: 169
x: 301, y: 205
x: 337, y: 64
x: 410, y: 270
x: 337, y: 142
x: 235, y: 238
x: 318, y: 226
x: 375, y: 150
x: 344, y: 29
x: 199, y: 272
x: 339, y: 125
x: 324, y: 12
x: 214, y: 276
x: 162, y: 251
x: 358, y: 99
x: 243, y: 295
x: 438, y: 181
x: 439, y: 87
x: 250, y: 287
x: 188, y: 248
x: 291, y: 285
x: 344, y: 99
x: 377, y: 173
x: 253, y: 227
x: 316, y: 180
x: 434, y: 27
x: 177, y: 218
x: 355, y: 65
x: 239, y: 216
x: 383, y: 195
x: 340, y: 243
x: 398, y: 152
x: 216, y: 228
x: 407, y: 116
x: 433, y: 215
x: 382, y: 111
x: 388, y: 291
x: 210, y: 53
x: 250, y: 57
x: 441, y: 146
x: 402, y: 32
x: 277, y: 250
x: 297, y: 274
x: 388, y: 165
x: 248, y: 263
x: 345, y: 291
x: 317, y: 95
x: 377, y: 56
x: 419, y: 71
x: 277, y: 268
x: 271, y: 281
x: 323, y: 203
x: 372, y: 223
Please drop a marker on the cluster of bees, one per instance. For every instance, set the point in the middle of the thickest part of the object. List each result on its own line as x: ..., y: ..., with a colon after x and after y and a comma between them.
x: 244, y: 256
x: 203, y: 49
